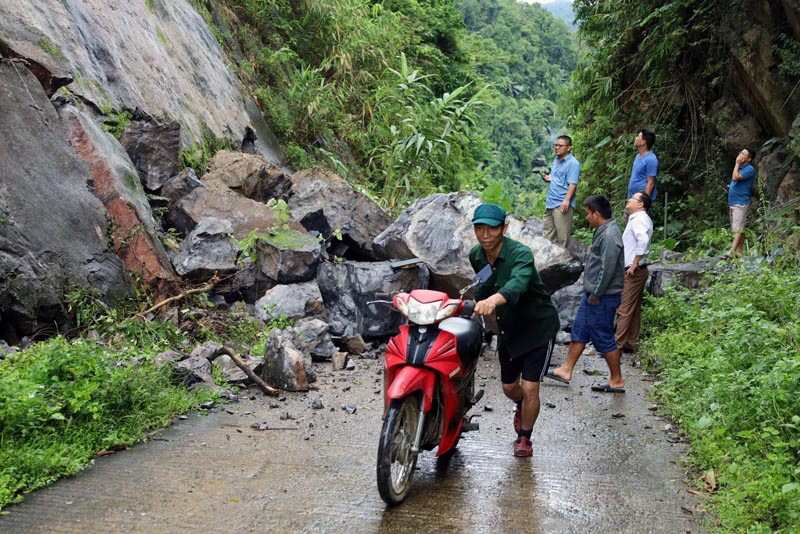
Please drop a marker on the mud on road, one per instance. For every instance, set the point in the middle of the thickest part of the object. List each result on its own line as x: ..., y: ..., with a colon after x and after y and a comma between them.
x: 602, y: 463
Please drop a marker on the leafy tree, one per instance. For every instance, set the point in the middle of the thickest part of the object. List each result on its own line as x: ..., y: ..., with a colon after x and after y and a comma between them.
x: 325, y: 77
x: 527, y: 56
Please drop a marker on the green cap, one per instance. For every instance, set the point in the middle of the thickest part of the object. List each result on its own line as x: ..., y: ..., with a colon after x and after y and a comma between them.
x: 490, y: 214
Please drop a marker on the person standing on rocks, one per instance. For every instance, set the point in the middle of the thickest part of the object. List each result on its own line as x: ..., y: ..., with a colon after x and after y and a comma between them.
x: 526, y: 317
x: 603, y: 280
x: 560, y: 201
x: 742, y: 180
x: 636, y: 241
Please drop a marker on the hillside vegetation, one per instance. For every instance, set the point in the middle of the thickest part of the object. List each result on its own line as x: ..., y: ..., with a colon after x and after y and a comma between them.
x: 407, y: 98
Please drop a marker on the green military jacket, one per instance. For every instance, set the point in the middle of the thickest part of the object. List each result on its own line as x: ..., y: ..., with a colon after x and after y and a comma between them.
x: 529, y: 319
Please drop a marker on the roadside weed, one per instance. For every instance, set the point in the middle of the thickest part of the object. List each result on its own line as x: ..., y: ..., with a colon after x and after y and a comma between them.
x: 729, y: 357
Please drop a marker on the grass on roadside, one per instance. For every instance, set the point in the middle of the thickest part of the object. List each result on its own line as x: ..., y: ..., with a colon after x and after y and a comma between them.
x: 62, y: 402
x: 730, y: 367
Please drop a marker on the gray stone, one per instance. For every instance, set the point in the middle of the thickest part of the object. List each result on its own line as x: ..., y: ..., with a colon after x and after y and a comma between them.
x: 154, y: 148
x: 53, y: 230
x: 291, y: 301
x: 208, y: 249
x: 284, y: 365
x: 323, y: 202
x: 346, y: 288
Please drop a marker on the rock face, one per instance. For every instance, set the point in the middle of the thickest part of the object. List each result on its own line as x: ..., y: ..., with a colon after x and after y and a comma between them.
x: 53, y: 230
x: 159, y: 56
x: 116, y: 183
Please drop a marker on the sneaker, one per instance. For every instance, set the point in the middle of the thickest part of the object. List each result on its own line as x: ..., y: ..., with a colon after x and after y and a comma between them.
x: 517, y: 421
x: 523, y: 447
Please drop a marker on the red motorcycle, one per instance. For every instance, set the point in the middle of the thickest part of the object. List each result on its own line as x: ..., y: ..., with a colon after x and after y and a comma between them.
x: 429, y: 384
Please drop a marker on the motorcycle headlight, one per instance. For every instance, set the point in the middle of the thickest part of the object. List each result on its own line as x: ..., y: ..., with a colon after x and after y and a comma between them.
x: 422, y: 313
x: 428, y: 312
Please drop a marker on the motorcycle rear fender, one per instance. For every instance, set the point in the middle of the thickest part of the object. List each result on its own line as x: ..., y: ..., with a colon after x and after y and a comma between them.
x: 410, y: 379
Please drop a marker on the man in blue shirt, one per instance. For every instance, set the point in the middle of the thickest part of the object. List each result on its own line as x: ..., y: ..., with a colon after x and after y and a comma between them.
x: 739, y: 198
x: 560, y: 200
x: 645, y: 166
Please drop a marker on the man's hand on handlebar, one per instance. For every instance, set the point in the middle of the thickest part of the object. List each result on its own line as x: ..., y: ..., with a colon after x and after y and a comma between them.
x: 484, y: 307
x: 489, y: 306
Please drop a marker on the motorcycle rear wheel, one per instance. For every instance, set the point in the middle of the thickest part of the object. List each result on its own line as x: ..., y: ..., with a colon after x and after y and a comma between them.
x: 396, y: 460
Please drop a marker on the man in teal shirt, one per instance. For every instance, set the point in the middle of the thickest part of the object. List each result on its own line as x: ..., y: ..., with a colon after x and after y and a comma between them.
x: 526, y: 317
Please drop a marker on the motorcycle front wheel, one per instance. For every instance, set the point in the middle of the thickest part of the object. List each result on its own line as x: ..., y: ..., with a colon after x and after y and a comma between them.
x: 396, y: 460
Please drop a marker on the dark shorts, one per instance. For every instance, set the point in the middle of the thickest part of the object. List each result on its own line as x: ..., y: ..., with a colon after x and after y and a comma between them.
x: 595, y: 322
x: 532, y: 365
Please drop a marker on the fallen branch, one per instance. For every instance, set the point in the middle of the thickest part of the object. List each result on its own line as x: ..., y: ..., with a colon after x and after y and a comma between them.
x: 202, y: 289
x: 269, y: 390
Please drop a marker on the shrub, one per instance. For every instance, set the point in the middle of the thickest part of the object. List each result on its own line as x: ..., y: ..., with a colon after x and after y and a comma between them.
x: 730, y: 364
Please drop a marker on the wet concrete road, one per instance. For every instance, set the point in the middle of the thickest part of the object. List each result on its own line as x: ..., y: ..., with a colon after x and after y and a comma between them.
x: 602, y: 463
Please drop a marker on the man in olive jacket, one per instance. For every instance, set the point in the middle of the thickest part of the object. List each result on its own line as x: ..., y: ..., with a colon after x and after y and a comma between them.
x: 603, y: 279
x: 526, y: 317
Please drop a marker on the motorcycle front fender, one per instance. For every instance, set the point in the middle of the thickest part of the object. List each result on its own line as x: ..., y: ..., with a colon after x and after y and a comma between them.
x: 410, y: 379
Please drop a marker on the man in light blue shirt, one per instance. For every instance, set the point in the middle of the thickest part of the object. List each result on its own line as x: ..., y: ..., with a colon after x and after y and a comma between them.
x: 645, y: 166
x: 739, y: 198
x: 560, y: 200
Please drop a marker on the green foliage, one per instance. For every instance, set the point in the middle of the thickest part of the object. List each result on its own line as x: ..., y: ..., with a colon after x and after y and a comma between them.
x: 61, y: 403
x: 526, y: 55
x: 87, y: 311
x: 323, y: 76
x: 788, y: 51
x: 115, y: 123
x: 49, y: 47
x: 729, y: 356
x: 198, y: 155
x: 423, y: 141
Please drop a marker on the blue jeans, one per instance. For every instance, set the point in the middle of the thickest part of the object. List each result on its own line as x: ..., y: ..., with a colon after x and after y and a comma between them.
x: 595, y: 322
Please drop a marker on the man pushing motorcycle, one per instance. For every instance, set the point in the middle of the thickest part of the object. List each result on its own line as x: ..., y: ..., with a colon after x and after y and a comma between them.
x: 526, y: 318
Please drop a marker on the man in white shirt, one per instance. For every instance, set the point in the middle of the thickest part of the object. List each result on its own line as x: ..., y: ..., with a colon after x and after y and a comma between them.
x: 636, y: 242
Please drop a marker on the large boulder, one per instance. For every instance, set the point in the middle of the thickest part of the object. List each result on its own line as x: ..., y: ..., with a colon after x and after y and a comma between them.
x: 244, y: 215
x: 687, y: 275
x: 348, y: 286
x: 251, y: 175
x: 325, y: 203
x: 53, y: 230
x: 116, y: 184
x: 438, y: 230
x: 154, y: 148
x: 207, y: 250
x: 290, y: 301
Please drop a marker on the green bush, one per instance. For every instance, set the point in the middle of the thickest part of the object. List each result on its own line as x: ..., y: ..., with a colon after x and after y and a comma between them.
x: 729, y: 359
x: 62, y: 402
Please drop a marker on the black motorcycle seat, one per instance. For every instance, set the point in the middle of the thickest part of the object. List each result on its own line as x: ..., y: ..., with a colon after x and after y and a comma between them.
x: 469, y: 338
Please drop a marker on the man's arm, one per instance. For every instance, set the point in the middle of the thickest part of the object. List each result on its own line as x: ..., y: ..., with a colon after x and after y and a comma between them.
x: 651, y: 183
x: 737, y: 175
x: 489, y: 305
x: 634, y: 266
x: 565, y: 204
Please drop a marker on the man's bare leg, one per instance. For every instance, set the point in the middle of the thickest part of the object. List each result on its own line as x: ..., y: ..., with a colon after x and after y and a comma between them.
x: 573, y: 354
x: 612, y: 359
